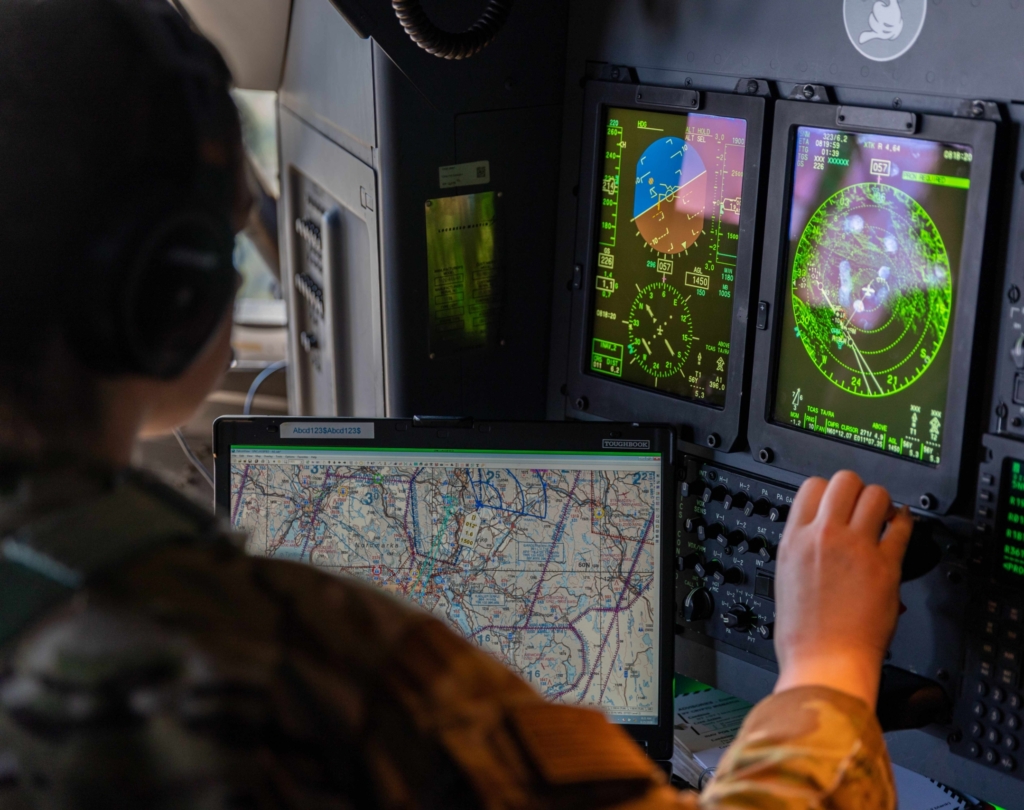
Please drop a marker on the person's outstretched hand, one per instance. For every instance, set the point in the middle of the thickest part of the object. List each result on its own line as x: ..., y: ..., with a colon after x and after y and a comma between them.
x: 837, y: 585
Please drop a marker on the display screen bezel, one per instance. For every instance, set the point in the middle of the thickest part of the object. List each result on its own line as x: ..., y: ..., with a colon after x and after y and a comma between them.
x: 568, y: 437
x: 807, y: 453
x: 615, y: 399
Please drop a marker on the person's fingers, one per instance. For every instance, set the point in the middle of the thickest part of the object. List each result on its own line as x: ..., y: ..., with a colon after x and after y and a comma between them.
x: 873, y: 509
x: 805, y: 504
x: 841, y: 496
x: 897, y: 536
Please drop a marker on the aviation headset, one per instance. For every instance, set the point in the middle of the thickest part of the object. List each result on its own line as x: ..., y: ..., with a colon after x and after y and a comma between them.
x: 160, y: 278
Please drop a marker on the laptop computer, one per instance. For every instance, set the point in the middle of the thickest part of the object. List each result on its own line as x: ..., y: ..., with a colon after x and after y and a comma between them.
x: 549, y: 545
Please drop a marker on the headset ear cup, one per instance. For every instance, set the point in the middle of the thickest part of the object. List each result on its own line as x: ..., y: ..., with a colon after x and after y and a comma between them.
x: 176, y: 293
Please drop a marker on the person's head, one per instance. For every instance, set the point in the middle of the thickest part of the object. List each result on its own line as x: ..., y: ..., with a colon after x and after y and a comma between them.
x: 121, y: 186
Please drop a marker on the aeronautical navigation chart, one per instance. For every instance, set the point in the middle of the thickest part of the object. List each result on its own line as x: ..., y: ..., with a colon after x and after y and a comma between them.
x: 550, y: 566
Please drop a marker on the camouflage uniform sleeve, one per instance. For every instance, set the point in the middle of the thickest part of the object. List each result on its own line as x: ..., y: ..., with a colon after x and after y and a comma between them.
x: 810, y: 747
x: 205, y: 679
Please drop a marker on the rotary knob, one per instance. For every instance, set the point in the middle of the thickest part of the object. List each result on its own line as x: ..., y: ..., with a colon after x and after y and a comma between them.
x: 759, y: 507
x: 737, y: 501
x: 698, y: 606
x: 705, y: 533
x: 708, y: 568
x: 714, y: 494
x: 751, y: 545
x: 733, y: 576
x: 737, y: 617
x: 686, y: 562
x: 726, y: 539
x: 694, y: 524
x: 778, y: 514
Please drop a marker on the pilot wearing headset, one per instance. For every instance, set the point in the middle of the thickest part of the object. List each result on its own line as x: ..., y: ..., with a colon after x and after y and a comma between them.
x: 145, y: 662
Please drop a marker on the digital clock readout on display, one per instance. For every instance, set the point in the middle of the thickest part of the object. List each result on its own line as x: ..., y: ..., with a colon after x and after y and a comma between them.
x: 875, y: 233
x: 668, y: 228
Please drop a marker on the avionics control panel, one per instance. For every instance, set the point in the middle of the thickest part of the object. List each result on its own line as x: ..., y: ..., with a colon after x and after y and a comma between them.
x: 729, y: 528
x: 853, y: 341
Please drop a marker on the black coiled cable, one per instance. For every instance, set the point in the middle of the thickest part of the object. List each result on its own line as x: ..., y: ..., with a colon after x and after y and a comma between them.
x: 445, y: 44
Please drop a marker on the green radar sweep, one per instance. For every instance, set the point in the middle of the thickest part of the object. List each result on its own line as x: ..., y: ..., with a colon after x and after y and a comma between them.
x: 872, y: 289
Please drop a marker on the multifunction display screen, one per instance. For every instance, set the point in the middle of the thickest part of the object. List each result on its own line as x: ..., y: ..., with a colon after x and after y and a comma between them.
x: 875, y: 233
x: 669, y: 197
x: 1010, y: 523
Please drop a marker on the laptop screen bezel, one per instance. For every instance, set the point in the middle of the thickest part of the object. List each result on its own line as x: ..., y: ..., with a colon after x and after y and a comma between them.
x: 442, y: 434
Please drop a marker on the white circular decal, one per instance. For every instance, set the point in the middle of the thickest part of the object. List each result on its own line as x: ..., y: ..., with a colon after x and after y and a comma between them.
x: 884, y: 29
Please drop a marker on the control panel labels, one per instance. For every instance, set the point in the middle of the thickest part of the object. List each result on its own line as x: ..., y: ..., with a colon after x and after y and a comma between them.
x: 327, y: 430
x: 477, y: 173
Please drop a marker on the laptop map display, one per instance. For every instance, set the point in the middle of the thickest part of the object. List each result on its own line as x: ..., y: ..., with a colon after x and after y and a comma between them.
x: 547, y: 560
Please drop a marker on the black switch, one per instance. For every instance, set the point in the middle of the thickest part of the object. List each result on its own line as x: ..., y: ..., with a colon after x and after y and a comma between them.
x: 762, y: 315
x: 764, y: 585
x: 1018, y: 389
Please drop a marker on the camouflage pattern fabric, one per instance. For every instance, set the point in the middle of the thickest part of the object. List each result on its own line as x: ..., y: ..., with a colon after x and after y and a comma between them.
x: 196, y: 677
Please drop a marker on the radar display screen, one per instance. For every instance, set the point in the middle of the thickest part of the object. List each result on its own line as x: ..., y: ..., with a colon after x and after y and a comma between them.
x: 1010, y: 523
x: 669, y: 213
x: 875, y: 234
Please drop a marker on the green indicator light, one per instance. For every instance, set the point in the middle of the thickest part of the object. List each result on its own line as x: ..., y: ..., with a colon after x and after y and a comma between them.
x: 937, y: 179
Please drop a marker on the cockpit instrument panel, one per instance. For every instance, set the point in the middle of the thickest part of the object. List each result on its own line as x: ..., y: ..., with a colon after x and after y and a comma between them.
x: 872, y: 276
x: 670, y: 199
x: 669, y: 192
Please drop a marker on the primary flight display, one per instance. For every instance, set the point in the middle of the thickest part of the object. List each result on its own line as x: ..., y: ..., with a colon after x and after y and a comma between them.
x: 875, y: 233
x: 669, y: 212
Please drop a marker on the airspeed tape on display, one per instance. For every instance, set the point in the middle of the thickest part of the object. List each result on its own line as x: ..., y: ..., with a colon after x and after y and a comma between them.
x: 884, y: 29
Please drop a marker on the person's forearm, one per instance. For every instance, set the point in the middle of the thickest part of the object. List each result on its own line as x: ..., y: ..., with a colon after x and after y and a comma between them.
x: 841, y: 669
x: 806, y: 747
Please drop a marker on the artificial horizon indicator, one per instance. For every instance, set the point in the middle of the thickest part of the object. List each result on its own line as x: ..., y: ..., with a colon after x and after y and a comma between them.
x: 668, y: 231
x: 876, y: 228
